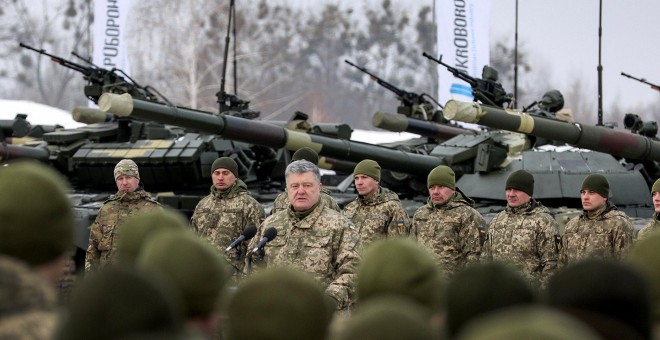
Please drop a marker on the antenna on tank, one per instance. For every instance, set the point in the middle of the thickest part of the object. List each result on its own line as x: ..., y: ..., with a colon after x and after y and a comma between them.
x: 600, y: 66
x: 515, y: 63
x: 230, y: 103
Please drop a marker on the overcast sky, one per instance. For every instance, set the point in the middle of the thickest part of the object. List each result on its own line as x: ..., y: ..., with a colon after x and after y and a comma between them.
x: 561, y: 37
x: 563, y: 34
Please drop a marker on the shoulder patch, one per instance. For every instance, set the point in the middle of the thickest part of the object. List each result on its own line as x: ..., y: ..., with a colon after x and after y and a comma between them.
x: 399, y: 223
x: 351, y: 225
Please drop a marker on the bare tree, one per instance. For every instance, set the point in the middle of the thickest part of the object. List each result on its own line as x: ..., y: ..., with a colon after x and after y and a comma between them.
x: 28, y: 75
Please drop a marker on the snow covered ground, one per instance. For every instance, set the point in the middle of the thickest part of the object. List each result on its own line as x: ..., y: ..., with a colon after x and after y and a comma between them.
x: 37, y: 114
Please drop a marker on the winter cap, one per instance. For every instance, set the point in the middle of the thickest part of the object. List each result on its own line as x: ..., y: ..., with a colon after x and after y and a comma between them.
x: 279, y: 303
x: 521, y: 180
x: 307, y: 154
x: 369, y: 168
x: 400, y: 267
x: 598, y: 184
x: 36, y: 217
x: 121, y: 302
x: 126, y: 167
x: 442, y: 175
x: 137, y: 229
x: 193, y: 267
x: 656, y: 186
x: 225, y: 163
x: 388, y: 317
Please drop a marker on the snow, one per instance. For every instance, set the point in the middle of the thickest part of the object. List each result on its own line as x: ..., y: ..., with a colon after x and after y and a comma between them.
x: 37, y: 114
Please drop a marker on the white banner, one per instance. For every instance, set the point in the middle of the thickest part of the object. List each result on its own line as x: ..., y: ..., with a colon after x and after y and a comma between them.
x: 109, y: 28
x: 463, y: 43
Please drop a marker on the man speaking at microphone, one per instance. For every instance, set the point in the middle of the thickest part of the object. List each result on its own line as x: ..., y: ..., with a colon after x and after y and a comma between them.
x: 311, y: 236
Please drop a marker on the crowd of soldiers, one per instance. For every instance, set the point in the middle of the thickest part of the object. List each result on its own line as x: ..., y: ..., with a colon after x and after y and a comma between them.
x: 315, y: 271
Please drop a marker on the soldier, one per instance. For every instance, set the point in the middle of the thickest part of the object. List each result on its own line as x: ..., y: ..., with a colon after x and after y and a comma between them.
x: 222, y: 216
x: 36, y: 234
x: 601, y: 230
x: 655, y: 222
x: 196, y: 271
x: 482, y: 289
x: 279, y: 303
x: 311, y: 236
x: 122, y: 302
x: 524, y: 233
x: 400, y: 267
x: 137, y: 229
x: 376, y: 212
x: 129, y: 200
x: 448, y: 225
x: 282, y: 200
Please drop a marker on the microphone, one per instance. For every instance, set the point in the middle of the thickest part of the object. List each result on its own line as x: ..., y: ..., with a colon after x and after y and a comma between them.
x: 247, y: 234
x: 269, y: 235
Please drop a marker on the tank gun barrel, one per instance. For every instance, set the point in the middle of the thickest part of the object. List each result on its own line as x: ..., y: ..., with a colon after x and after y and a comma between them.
x: 397, y: 122
x: 596, y: 138
x: 8, y: 151
x: 262, y: 133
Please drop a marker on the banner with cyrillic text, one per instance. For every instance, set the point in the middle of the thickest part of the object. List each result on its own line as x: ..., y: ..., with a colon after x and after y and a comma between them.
x: 109, y: 28
x: 463, y: 43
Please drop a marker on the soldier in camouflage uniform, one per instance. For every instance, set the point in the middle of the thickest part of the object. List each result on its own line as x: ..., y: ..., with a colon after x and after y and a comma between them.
x: 655, y: 222
x: 282, y: 200
x: 376, y: 212
x: 311, y: 236
x: 129, y: 200
x: 36, y: 234
x: 448, y: 226
x: 524, y: 233
x: 601, y: 230
x: 222, y: 216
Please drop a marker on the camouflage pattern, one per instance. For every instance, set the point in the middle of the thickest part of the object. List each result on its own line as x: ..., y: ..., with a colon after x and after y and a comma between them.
x: 525, y: 237
x: 282, y: 201
x: 27, y: 302
x: 606, y: 233
x: 379, y: 216
x: 650, y: 227
x: 323, y: 243
x: 222, y: 216
x: 126, y: 167
x: 67, y: 280
x: 451, y: 232
x: 104, y: 231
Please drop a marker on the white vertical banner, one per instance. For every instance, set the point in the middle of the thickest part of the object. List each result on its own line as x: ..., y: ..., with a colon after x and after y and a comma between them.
x: 109, y: 29
x: 463, y: 42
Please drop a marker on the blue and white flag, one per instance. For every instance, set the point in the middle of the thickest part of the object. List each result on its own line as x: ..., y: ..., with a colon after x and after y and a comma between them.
x: 463, y: 42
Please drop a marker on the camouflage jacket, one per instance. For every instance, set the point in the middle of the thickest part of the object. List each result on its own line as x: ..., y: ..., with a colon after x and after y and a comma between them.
x: 451, y: 232
x: 27, y: 302
x: 525, y: 237
x: 104, y: 231
x: 650, y: 227
x: 606, y: 234
x: 282, y: 201
x: 378, y: 216
x: 222, y: 216
x: 323, y: 243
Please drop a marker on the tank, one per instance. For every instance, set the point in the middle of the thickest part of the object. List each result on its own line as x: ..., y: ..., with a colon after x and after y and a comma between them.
x: 174, y: 161
x: 628, y: 160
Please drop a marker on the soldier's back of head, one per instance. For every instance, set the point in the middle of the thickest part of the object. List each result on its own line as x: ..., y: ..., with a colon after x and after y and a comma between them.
x: 279, y: 303
x: 481, y: 289
x: 612, y: 297
x: 37, y: 218
x: 117, y: 302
